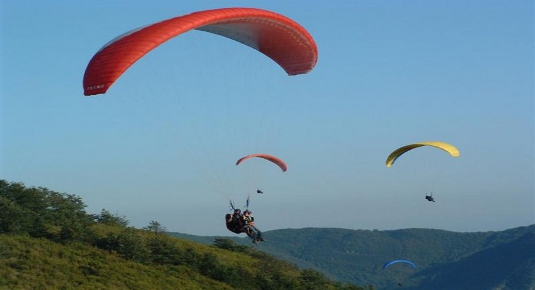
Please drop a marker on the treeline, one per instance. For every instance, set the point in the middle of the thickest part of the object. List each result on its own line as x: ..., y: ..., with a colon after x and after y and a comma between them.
x: 44, y: 214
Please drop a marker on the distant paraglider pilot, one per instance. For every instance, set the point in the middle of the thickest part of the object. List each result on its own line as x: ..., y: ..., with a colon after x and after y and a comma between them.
x: 259, y: 191
x: 429, y: 197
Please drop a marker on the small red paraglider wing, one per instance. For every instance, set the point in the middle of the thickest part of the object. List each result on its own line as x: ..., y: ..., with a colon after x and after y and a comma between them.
x: 271, y: 158
x: 278, y: 37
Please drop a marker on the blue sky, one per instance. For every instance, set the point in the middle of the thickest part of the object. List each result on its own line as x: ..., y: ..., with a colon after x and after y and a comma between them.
x: 161, y: 144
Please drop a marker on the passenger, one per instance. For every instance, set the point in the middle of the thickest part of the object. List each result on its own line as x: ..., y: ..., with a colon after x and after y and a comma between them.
x: 248, y: 225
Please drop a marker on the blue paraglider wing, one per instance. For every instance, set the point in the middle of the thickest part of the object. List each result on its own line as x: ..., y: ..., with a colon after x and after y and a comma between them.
x: 388, y: 264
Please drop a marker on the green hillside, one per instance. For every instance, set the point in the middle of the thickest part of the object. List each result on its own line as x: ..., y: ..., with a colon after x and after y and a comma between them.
x: 30, y: 263
x: 48, y: 241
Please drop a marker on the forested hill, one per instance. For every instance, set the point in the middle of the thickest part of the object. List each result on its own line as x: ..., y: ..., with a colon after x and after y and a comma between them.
x: 444, y: 259
x: 48, y: 241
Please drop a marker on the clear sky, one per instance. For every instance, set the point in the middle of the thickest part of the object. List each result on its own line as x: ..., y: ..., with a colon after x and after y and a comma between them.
x: 162, y: 143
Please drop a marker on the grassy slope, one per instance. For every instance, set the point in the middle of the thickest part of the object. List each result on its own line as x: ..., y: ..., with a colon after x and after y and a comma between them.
x: 27, y: 263
x: 32, y: 263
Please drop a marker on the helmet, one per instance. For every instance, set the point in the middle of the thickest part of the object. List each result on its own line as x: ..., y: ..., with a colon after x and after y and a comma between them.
x: 237, y: 210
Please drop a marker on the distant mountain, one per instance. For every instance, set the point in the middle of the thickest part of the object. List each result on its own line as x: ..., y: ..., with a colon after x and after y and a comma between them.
x: 507, y: 266
x: 445, y: 260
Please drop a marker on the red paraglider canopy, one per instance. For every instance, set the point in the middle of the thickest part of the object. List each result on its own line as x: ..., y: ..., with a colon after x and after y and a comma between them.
x: 271, y: 158
x: 278, y: 37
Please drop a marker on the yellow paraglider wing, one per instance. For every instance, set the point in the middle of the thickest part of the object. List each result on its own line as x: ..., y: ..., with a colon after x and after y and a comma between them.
x: 452, y: 150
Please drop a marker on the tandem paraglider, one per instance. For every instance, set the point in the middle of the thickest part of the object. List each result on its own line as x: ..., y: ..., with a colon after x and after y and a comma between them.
x: 239, y: 222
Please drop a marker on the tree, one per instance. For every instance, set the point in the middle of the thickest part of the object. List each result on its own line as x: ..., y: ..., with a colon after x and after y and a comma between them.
x: 155, y: 227
x: 228, y: 244
x: 108, y: 218
x: 40, y: 212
